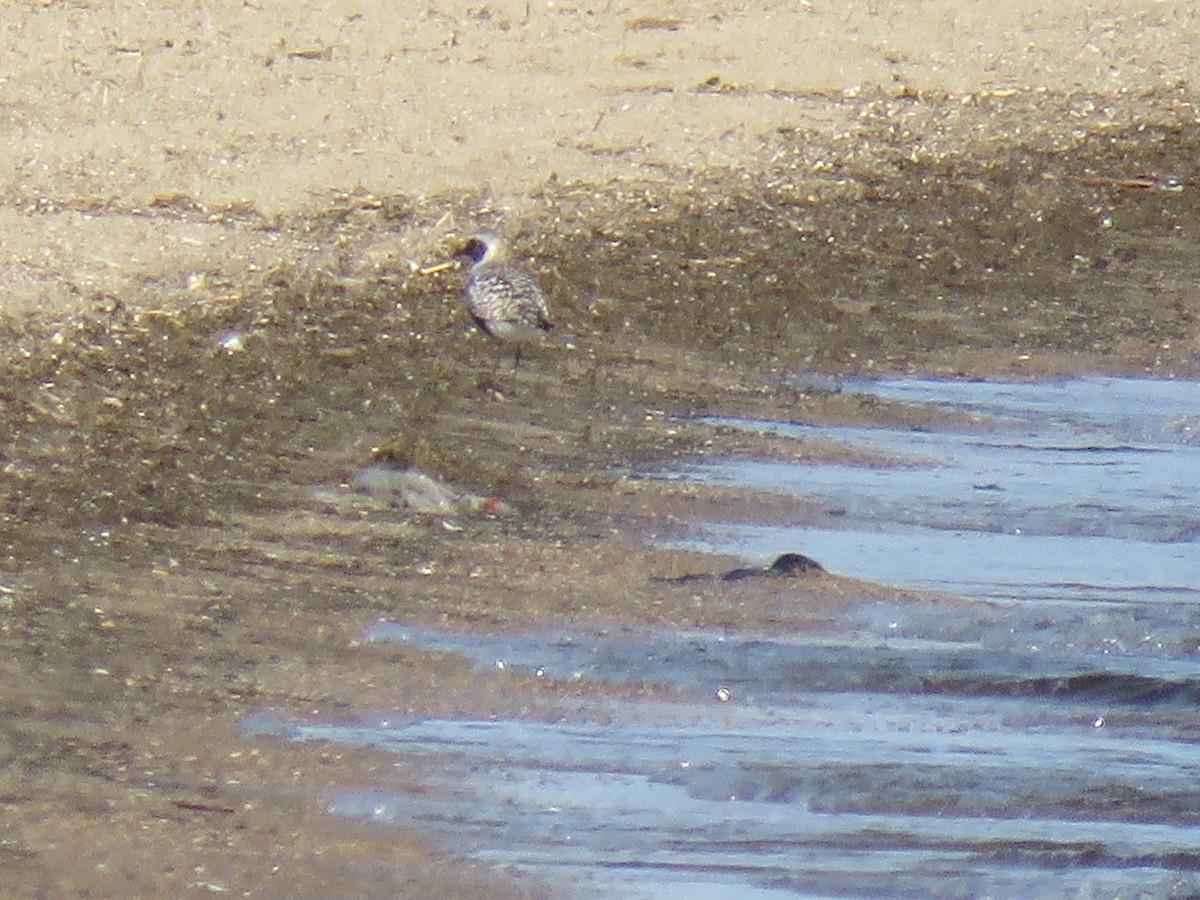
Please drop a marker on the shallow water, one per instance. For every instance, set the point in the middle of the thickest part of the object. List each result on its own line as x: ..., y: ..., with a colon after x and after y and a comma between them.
x: 1081, y: 489
x: 1041, y: 742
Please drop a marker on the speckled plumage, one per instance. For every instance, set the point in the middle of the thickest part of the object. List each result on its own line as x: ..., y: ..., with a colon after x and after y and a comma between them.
x: 504, y: 299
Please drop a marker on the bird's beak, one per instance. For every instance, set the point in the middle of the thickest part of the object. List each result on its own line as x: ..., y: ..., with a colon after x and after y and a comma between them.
x: 440, y: 267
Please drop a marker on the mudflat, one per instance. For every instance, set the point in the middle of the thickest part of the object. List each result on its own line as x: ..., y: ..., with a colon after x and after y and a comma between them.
x: 221, y: 223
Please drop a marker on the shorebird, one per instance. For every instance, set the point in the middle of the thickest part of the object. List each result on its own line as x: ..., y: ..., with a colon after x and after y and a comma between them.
x: 504, y: 299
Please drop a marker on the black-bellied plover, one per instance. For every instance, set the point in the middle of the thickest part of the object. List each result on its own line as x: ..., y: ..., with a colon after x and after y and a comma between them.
x: 504, y: 300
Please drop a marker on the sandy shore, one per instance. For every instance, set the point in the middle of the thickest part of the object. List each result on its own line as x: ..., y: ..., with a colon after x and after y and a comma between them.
x: 215, y: 222
x: 153, y: 146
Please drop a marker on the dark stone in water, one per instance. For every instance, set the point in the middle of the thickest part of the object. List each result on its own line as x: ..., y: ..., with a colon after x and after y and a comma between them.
x: 787, y: 565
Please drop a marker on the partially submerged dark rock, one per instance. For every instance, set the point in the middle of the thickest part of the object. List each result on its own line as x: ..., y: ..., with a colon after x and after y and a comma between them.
x: 787, y: 565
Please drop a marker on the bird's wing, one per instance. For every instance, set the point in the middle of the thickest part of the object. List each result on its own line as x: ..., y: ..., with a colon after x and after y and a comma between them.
x: 506, y: 294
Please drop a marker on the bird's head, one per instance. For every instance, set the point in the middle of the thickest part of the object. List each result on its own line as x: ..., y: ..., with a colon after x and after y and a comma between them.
x: 484, y: 247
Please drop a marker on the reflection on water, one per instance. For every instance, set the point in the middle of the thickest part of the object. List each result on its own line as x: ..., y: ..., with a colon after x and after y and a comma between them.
x: 1043, y: 744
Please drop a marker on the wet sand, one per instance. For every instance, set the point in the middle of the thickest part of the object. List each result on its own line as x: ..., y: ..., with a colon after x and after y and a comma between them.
x: 215, y: 315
